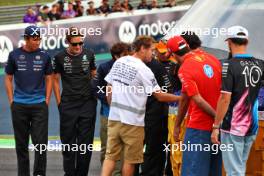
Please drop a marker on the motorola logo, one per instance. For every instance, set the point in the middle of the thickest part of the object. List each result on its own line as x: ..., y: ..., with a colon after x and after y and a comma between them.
x: 127, y: 32
x: 6, y: 47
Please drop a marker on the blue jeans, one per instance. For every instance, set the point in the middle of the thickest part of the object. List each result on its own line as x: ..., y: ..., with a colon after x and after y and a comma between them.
x: 204, y: 160
x: 235, y: 160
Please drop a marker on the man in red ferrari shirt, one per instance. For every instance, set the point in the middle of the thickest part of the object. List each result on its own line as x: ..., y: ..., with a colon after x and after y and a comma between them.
x: 200, y: 74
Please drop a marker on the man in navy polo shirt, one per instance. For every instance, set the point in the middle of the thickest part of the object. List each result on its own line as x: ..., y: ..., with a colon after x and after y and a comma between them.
x: 31, y: 69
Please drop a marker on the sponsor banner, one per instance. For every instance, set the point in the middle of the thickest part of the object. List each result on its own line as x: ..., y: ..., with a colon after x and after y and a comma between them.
x: 100, y: 34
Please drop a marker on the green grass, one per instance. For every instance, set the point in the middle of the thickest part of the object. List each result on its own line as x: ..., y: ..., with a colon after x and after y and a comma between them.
x: 22, y: 2
x: 103, y: 56
x: 8, y: 141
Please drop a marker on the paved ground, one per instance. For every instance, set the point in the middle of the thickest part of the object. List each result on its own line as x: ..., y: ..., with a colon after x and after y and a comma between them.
x: 54, y: 167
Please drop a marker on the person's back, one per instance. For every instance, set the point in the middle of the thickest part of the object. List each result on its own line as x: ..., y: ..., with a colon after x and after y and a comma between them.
x: 130, y: 82
x: 156, y: 133
x: 117, y: 50
x: 206, y: 73
x: 213, y: 59
x: 237, y: 108
x: 245, y: 84
x: 102, y: 71
x: 163, y: 80
x: 200, y: 74
x: 126, y: 75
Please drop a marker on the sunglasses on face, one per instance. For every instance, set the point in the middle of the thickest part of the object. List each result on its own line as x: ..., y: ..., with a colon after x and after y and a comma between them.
x: 76, y: 44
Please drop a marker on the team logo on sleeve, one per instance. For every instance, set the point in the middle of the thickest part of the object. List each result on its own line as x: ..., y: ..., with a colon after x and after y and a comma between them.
x: 208, y: 70
x: 84, y: 58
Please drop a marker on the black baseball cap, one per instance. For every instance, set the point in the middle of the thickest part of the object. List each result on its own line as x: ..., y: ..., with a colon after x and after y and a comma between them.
x: 32, y: 31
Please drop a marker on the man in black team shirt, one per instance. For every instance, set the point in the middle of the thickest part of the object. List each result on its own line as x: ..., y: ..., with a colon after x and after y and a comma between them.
x: 156, y: 132
x: 167, y: 62
x: 237, y: 107
x: 77, y: 105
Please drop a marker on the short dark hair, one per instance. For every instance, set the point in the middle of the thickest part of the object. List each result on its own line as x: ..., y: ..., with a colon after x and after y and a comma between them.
x: 239, y: 41
x: 118, y: 49
x: 73, y: 32
x: 45, y: 7
x: 145, y: 41
x: 192, y: 39
x: 183, y: 51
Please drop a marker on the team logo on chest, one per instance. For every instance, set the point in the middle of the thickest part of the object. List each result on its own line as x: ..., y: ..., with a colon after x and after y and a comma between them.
x: 67, y: 65
x: 208, y: 70
x: 37, y: 57
x: 37, y: 64
x: 67, y: 59
x: 22, y: 57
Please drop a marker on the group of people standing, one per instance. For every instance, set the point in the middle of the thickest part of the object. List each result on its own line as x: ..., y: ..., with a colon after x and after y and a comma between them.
x: 35, y: 75
x: 152, y: 94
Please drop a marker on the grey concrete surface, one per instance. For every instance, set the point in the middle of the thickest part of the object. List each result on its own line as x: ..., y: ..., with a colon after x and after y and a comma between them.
x: 8, y: 166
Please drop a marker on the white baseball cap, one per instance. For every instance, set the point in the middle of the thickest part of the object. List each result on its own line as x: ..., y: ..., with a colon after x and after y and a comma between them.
x: 237, y: 32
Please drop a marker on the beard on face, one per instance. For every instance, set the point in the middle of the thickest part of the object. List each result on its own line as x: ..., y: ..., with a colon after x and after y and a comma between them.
x: 230, y: 52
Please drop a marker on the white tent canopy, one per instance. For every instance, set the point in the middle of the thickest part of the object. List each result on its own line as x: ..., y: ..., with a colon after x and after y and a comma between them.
x: 211, y: 18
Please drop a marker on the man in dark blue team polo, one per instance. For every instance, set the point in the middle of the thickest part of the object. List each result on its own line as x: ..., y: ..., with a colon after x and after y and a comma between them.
x: 31, y: 69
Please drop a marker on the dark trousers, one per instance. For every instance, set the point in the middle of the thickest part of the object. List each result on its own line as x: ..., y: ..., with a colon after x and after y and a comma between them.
x: 168, y: 169
x: 30, y: 120
x: 156, y: 134
x: 77, y: 123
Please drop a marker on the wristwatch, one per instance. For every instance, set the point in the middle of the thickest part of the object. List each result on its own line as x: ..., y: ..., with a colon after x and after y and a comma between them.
x: 216, y: 126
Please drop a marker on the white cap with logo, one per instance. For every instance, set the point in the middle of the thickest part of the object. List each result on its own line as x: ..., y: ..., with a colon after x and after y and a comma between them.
x: 237, y: 32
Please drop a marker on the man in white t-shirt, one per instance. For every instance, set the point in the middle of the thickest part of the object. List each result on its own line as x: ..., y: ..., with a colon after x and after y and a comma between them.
x: 130, y: 82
